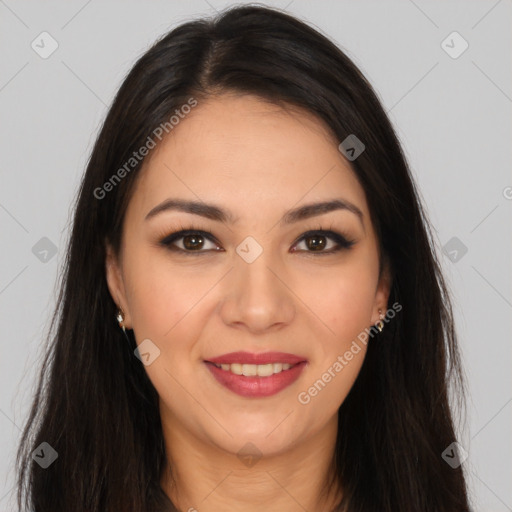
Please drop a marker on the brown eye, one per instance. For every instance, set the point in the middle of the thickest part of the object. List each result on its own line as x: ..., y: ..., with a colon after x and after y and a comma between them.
x: 317, y: 242
x: 189, y: 241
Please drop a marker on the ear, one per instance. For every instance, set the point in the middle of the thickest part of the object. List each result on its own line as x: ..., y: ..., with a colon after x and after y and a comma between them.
x: 115, y: 284
x: 382, y: 293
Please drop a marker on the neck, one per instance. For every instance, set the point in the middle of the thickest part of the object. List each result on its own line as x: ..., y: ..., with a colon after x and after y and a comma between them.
x: 203, y: 477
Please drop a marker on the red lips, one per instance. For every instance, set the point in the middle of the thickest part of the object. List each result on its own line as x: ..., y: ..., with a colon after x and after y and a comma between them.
x: 262, y: 358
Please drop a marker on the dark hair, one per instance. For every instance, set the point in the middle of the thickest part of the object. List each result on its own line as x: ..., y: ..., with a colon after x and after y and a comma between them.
x: 95, y: 404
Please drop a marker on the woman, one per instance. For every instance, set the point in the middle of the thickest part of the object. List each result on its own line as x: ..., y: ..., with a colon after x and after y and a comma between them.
x: 252, y: 315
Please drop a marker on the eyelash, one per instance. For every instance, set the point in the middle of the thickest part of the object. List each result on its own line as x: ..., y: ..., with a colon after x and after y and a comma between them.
x: 342, y: 241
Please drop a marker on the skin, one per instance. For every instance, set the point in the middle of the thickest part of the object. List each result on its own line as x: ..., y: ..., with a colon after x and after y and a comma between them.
x: 257, y: 161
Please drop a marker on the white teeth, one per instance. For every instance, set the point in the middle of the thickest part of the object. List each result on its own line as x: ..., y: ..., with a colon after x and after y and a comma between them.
x: 236, y: 368
x: 253, y: 370
x: 249, y: 370
x: 264, y: 370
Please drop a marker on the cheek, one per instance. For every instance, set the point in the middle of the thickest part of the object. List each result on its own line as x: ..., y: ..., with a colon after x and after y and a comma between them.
x: 343, y: 300
x: 164, y: 303
x: 159, y: 295
x: 351, y: 304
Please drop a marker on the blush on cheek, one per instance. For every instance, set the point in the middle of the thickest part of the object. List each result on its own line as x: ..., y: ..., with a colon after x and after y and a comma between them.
x: 157, y: 298
x: 154, y: 316
x: 347, y: 309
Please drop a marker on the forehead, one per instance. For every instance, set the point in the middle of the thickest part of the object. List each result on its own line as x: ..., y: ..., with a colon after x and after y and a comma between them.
x: 247, y: 154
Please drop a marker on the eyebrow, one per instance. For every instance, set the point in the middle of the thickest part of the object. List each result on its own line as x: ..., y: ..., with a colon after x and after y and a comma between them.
x: 213, y: 212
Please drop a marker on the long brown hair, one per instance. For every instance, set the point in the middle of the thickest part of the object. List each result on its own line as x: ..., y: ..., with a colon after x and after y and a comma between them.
x: 95, y: 405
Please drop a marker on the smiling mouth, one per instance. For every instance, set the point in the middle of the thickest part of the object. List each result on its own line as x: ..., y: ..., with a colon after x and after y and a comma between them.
x: 255, y: 370
x: 256, y: 380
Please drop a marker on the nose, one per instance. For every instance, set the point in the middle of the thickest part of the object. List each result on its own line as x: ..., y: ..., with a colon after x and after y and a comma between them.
x: 258, y: 298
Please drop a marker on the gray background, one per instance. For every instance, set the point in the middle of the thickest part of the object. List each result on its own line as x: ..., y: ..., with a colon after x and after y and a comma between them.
x: 453, y: 116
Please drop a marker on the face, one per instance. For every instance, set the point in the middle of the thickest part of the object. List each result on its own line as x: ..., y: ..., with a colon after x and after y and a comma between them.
x: 252, y: 281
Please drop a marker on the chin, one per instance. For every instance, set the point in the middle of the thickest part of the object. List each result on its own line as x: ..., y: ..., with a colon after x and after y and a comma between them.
x: 266, y: 438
